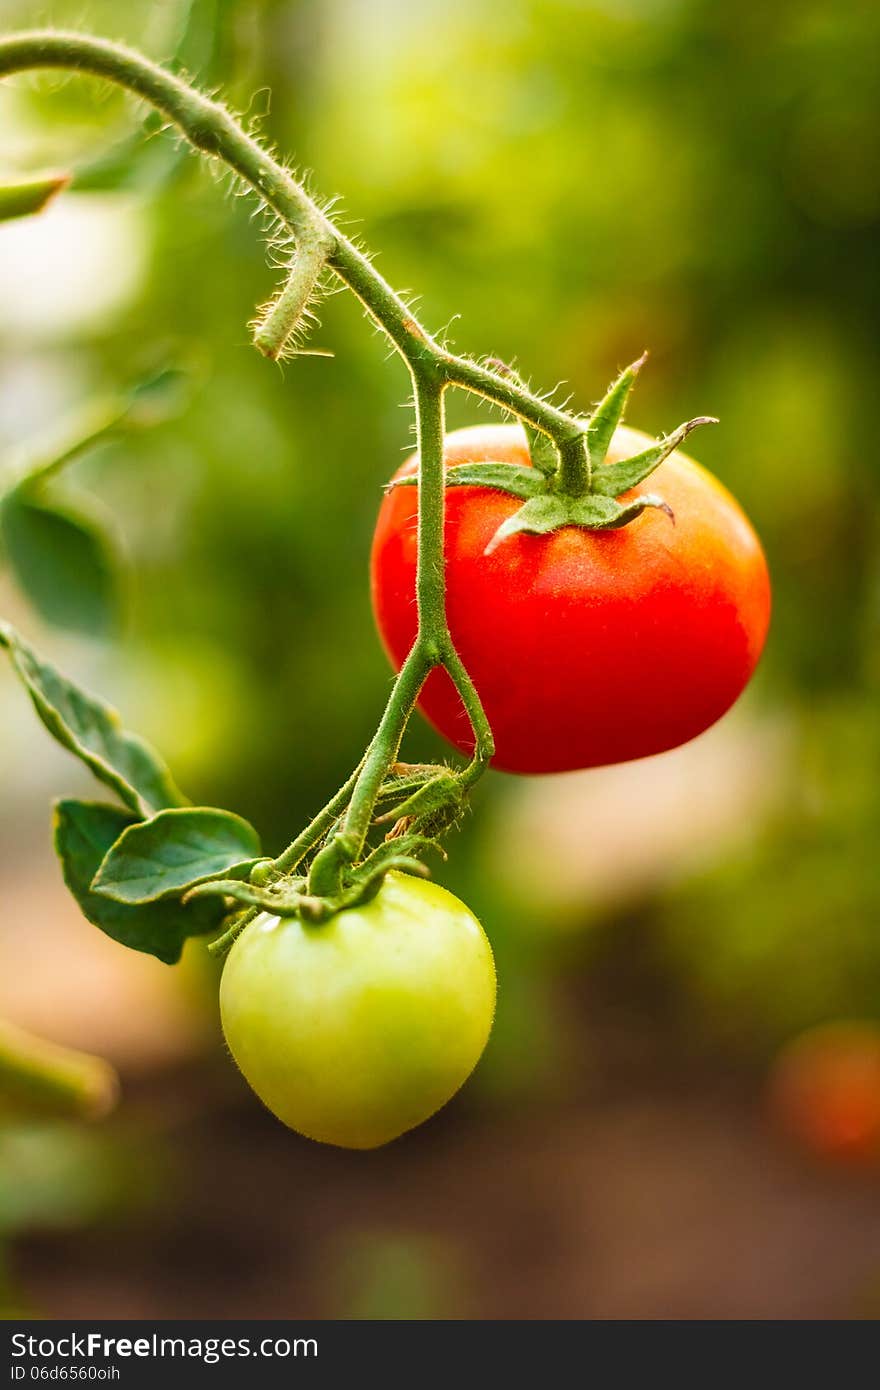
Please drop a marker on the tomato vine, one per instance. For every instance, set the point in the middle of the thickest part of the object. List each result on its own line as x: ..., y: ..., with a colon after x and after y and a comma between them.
x: 331, y: 864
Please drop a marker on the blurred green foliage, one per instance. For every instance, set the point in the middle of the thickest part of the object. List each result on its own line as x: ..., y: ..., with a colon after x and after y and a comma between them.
x: 416, y: 1278
x: 577, y: 182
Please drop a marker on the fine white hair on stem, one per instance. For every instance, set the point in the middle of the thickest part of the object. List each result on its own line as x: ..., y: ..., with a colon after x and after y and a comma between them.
x: 281, y: 325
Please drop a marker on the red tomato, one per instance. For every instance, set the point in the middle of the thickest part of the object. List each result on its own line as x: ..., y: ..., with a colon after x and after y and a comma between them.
x: 825, y: 1092
x: 586, y: 647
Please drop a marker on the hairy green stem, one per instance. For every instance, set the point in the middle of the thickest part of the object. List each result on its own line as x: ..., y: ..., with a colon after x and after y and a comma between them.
x: 433, y: 640
x: 484, y: 740
x: 574, y: 472
x: 221, y: 944
x: 212, y: 130
x: 383, y: 750
x: 431, y: 570
x: 285, y: 314
x: 508, y: 391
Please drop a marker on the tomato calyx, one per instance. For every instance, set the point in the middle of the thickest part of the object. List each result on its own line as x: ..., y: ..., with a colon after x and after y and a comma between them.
x: 570, y: 483
x: 415, y: 806
x: 293, y: 895
x: 542, y: 515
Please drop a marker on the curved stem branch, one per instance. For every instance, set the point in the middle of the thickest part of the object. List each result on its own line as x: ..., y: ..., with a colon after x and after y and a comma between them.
x: 210, y: 128
x: 507, y: 391
x: 484, y: 739
x: 282, y: 317
x: 383, y: 750
x: 432, y: 642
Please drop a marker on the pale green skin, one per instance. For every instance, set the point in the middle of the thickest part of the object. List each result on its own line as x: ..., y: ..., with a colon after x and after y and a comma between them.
x: 357, y: 1029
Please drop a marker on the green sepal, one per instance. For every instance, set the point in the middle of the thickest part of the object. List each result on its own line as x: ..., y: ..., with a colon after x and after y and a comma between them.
x: 327, y: 867
x: 92, y: 730
x: 282, y: 900
x: 609, y: 412
x: 404, y: 783
x: 400, y: 846
x: 84, y: 832
x: 27, y: 196
x: 504, y: 477
x: 317, y: 910
x: 175, y: 850
x: 287, y: 898
x: 539, y: 516
x: 542, y: 515
x: 369, y: 876
x: 616, y: 478
x: 628, y: 511
x: 372, y: 874
x: 63, y: 561
x: 440, y: 792
x: 402, y: 863
x: 263, y: 873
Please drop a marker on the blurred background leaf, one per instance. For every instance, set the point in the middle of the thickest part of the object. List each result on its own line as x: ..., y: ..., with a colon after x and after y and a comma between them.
x: 63, y: 562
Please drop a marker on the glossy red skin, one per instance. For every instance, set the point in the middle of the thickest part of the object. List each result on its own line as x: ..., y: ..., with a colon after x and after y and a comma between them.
x: 586, y: 647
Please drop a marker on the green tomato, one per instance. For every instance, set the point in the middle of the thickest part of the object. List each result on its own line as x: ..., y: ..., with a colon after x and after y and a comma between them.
x: 354, y: 1030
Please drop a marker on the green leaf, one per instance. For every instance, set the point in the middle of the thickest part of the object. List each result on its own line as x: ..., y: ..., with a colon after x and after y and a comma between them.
x: 132, y: 164
x: 504, y: 477
x: 63, y: 562
x: 84, y: 832
x: 91, y: 729
x: 147, y: 403
x: 608, y: 413
x: 28, y: 196
x: 616, y: 478
x: 174, y: 851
